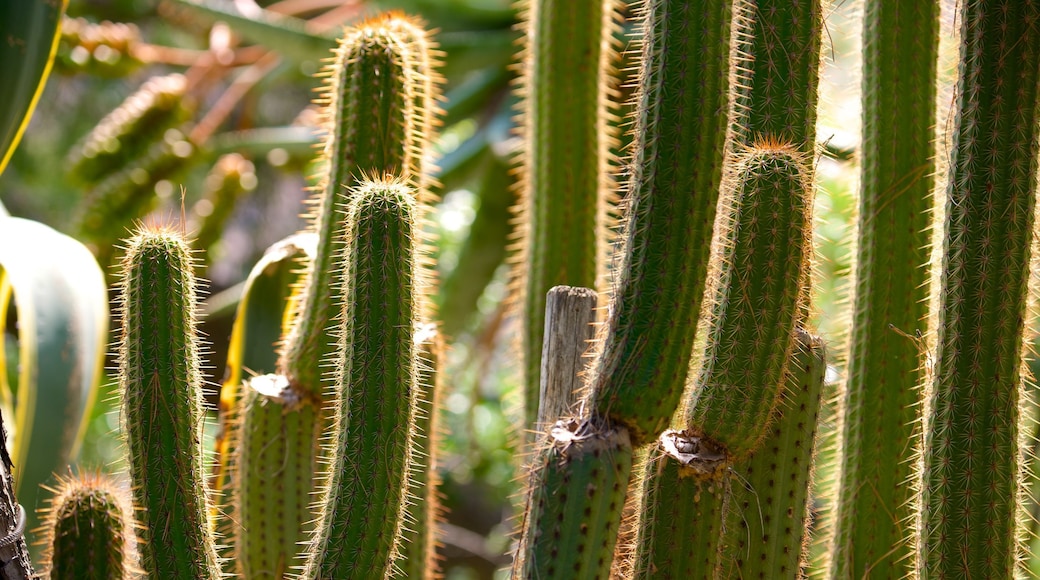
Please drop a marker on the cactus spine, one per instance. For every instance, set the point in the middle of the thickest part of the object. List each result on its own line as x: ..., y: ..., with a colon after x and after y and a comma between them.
x: 88, y: 530
x: 681, y: 125
x: 569, y: 55
x: 161, y: 386
x: 378, y: 375
x: 972, y: 470
x: 881, y: 422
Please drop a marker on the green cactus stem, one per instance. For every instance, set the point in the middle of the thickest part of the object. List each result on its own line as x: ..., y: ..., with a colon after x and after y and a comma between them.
x: 762, y: 293
x: 373, y: 127
x: 88, y: 530
x: 972, y: 465
x: 276, y: 457
x: 777, y: 90
x: 260, y: 322
x: 881, y: 425
x: 574, y: 502
x: 681, y: 125
x: 161, y: 385
x: 378, y: 372
x: 569, y: 57
x: 418, y: 557
x: 682, y: 513
x: 767, y: 518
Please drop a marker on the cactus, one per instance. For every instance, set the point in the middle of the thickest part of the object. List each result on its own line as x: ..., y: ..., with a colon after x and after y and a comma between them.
x: 761, y: 295
x: 322, y: 468
x: 378, y: 375
x: 373, y: 128
x: 971, y: 481
x: 763, y: 292
x: 161, y: 385
x: 681, y: 129
x: 89, y: 530
x: 881, y: 416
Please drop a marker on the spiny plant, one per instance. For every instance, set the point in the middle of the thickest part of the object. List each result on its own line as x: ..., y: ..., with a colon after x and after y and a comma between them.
x: 88, y: 529
x: 161, y: 388
x: 761, y: 294
x: 972, y: 472
x: 713, y: 344
x: 569, y: 57
x: 885, y: 368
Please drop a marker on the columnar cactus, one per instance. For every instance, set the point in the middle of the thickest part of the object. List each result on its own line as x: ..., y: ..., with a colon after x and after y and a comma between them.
x: 971, y: 484
x: 881, y: 414
x: 761, y: 295
x: 161, y: 385
x: 378, y: 373
x: 569, y: 55
x: 88, y: 530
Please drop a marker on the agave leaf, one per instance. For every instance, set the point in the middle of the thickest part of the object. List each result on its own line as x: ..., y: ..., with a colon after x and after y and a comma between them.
x: 62, y: 304
x: 28, y: 40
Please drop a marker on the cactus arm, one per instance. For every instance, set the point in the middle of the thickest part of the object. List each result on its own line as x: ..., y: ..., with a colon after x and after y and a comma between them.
x: 88, y: 530
x: 681, y: 517
x: 369, y: 108
x: 568, y: 57
x: 160, y: 381
x: 275, y: 461
x: 681, y: 125
x: 378, y: 376
x: 30, y: 31
x: 881, y: 422
x: 762, y: 294
x: 767, y: 520
x: 972, y: 471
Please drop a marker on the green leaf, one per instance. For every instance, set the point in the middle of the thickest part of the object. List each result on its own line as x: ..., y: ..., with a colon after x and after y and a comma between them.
x: 28, y: 41
x: 62, y: 305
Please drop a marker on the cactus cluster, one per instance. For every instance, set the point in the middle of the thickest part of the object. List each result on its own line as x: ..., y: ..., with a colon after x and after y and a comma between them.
x: 673, y: 433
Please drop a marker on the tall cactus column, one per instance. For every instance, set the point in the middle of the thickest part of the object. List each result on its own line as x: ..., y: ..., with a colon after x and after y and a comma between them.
x: 161, y: 384
x: 874, y: 519
x: 579, y: 482
x: 971, y: 496
x: 378, y: 372
x: 377, y: 101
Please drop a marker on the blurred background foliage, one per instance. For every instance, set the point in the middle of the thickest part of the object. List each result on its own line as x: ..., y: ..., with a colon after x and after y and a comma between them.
x: 243, y: 122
